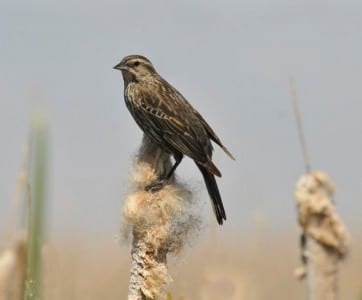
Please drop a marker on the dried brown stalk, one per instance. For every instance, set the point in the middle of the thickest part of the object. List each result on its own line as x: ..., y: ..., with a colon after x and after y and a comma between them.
x: 12, y: 270
x: 324, y: 238
x: 160, y: 221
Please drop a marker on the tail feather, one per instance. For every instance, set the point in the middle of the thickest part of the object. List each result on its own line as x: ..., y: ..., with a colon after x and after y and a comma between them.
x: 214, y: 194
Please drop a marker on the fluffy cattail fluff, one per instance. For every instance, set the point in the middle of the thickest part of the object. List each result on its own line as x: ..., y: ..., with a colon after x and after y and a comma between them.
x: 12, y: 270
x: 324, y: 238
x: 161, y: 222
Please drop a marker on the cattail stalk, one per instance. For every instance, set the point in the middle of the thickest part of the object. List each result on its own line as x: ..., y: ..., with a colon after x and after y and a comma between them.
x: 13, y: 254
x: 324, y: 238
x: 160, y: 222
x: 12, y: 269
x: 299, y: 123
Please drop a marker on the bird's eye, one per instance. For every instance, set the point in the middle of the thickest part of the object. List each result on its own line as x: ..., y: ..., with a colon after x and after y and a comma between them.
x: 136, y: 63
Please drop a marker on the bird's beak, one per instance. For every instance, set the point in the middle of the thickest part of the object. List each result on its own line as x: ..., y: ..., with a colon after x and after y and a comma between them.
x: 120, y: 67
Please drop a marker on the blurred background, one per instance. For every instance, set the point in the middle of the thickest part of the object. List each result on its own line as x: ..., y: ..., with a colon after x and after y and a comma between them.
x: 232, y: 60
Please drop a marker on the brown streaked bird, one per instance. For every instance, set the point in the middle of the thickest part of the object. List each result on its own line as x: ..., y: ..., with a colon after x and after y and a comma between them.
x: 170, y: 121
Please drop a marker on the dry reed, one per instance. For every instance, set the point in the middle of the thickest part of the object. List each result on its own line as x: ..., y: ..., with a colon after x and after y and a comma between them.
x: 324, y: 238
x: 160, y: 221
x: 12, y: 269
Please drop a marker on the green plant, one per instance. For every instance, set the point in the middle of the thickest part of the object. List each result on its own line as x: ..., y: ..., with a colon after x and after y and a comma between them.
x: 37, y: 195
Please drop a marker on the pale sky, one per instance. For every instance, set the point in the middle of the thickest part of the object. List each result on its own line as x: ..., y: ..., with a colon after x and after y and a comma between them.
x: 231, y: 59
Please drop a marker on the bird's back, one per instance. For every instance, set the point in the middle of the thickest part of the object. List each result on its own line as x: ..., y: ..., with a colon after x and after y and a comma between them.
x: 171, y: 118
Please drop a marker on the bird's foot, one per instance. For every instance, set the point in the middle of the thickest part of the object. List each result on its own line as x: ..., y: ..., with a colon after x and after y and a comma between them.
x: 156, y: 186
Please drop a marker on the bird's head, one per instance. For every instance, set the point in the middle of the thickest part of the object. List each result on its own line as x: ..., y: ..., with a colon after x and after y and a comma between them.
x: 135, y: 68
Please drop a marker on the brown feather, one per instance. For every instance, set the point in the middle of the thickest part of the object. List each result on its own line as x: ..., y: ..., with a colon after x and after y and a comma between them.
x: 170, y: 121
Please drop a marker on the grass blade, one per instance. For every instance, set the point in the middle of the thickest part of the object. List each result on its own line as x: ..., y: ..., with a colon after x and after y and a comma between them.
x: 36, y: 208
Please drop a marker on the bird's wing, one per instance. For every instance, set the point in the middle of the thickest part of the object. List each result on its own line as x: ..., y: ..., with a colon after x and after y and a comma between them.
x: 180, y: 100
x: 172, y: 123
x: 212, y: 134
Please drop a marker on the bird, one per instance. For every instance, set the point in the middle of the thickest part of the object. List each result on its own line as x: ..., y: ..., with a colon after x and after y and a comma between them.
x: 170, y: 121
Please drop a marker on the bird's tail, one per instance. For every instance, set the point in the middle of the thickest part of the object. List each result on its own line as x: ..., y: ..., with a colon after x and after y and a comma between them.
x: 214, y: 194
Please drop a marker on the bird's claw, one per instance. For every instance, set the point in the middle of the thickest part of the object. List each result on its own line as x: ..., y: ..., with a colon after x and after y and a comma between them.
x: 155, y: 186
